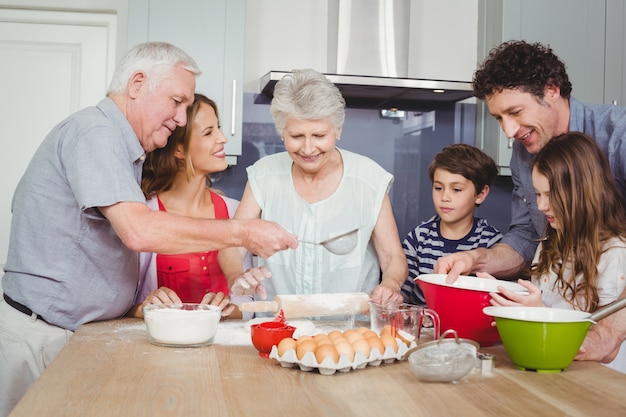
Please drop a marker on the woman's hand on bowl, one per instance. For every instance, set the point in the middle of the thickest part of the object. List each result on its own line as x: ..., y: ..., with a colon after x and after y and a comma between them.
x: 505, y: 297
x: 163, y: 295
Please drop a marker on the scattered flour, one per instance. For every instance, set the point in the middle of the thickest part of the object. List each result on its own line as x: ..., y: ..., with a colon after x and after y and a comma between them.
x: 229, y: 332
x: 132, y: 326
x: 235, y: 332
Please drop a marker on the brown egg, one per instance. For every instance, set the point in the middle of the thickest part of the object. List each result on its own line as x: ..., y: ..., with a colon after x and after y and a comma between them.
x: 386, y: 329
x: 369, y: 333
x: 340, y: 339
x: 376, y: 343
x: 305, y: 347
x: 351, y: 335
x: 363, y: 329
x: 334, y: 333
x: 324, y: 351
x: 286, y: 344
x: 303, y: 338
x: 322, y: 339
x: 345, y: 348
x: 363, y: 346
x: 389, y: 340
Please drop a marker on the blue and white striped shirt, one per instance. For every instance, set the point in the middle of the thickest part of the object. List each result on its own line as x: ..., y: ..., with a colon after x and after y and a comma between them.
x: 424, y: 245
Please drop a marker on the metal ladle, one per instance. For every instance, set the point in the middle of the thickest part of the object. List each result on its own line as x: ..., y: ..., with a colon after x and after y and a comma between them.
x: 339, y: 245
x: 608, y: 310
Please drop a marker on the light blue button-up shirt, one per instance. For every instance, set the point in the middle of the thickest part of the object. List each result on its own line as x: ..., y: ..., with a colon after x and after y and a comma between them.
x: 65, y: 261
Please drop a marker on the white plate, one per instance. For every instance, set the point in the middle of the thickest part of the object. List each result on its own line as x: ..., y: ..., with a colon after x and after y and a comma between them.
x: 473, y: 283
x: 538, y: 314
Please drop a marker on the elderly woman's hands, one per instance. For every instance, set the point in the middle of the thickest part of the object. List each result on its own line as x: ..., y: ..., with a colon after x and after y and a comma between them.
x: 386, y: 292
x: 251, y: 282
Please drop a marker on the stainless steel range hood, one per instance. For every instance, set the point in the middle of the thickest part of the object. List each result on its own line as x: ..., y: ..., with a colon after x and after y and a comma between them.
x: 368, y: 56
x: 385, y: 92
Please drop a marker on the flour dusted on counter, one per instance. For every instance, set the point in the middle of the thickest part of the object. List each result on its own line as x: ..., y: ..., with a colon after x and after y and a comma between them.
x: 237, y: 333
x: 131, y: 326
x: 233, y: 333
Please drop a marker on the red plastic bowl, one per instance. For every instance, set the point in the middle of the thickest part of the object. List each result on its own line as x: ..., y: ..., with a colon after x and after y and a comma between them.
x: 267, y: 334
x: 460, y: 304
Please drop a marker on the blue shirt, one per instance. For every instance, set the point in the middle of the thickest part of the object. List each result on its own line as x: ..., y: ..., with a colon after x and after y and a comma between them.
x: 65, y: 261
x: 424, y: 245
x: 605, y: 123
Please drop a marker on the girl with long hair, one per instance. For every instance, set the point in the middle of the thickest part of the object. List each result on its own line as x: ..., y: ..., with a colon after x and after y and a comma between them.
x: 580, y: 262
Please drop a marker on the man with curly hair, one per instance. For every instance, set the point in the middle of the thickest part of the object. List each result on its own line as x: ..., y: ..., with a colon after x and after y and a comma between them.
x: 527, y: 89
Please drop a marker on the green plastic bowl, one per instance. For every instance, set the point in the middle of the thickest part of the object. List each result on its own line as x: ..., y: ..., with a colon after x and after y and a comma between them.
x: 539, y: 338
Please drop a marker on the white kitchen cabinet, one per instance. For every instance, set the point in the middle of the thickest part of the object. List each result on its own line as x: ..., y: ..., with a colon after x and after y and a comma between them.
x: 615, y: 67
x: 577, y: 31
x: 442, y: 39
x: 212, y: 32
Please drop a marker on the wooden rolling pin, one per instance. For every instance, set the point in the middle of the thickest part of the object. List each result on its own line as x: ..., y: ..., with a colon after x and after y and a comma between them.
x: 312, y: 305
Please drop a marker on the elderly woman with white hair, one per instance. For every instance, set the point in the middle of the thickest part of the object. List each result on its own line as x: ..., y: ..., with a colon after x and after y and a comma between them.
x: 318, y: 191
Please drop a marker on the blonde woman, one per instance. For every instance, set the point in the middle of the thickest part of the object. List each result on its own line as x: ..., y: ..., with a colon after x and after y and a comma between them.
x: 176, y: 179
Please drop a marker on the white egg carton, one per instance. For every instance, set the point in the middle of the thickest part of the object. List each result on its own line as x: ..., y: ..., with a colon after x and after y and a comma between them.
x: 328, y: 367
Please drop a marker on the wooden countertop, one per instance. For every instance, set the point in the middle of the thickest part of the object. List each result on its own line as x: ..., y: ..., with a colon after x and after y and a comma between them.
x: 110, y: 369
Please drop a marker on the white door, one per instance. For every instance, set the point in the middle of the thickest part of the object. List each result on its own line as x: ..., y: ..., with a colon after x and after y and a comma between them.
x: 51, y: 64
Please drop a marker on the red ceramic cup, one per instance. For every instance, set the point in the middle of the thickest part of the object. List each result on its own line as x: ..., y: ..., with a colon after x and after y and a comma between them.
x: 267, y: 334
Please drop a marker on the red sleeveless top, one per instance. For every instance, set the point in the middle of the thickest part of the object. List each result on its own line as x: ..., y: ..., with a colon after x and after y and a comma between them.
x: 191, y: 275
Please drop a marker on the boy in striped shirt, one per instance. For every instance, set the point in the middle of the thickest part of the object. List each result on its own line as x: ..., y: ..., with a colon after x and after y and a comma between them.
x: 461, y: 176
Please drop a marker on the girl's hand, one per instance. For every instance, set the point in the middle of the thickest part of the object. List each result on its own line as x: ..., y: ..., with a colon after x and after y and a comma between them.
x: 506, y: 297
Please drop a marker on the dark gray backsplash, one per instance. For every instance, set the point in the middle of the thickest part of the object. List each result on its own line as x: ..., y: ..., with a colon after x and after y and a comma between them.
x: 405, y: 155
